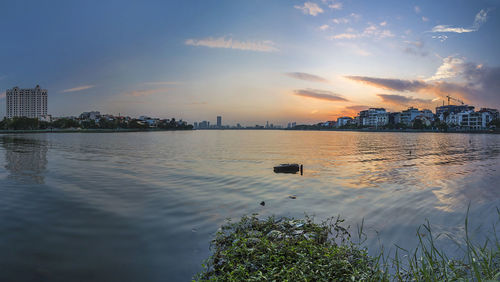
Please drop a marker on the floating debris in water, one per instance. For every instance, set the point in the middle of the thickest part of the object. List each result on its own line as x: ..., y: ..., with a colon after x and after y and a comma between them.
x: 262, y: 203
x: 292, y: 197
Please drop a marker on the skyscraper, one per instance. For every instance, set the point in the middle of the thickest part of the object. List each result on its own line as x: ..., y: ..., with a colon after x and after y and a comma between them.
x: 219, y: 121
x: 31, y: 103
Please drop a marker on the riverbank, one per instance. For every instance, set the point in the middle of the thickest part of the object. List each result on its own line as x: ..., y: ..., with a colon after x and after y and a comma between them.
x: 121, y: 130
x: 300, y: 250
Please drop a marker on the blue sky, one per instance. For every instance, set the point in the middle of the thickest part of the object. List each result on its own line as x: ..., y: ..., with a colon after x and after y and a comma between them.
x: 250, y: 61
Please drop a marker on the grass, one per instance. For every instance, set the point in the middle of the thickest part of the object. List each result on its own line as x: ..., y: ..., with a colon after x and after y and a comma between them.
x: 288, y: 249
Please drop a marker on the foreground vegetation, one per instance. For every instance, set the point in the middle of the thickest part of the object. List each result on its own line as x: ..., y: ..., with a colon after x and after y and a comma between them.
x: 302, y: 250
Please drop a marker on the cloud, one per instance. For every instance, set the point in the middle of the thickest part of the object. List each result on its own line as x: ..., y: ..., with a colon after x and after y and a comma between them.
x: 324, y: 27
x: 78, y: 88
x: 340, y: 20
x: 425, y: 19
x: 441, y: 38
x: 320, y: 95
x: 310, y: 8
x: 372, y: 31
x: 333, y: 4
x: 449, y: 28
x: 2, y: 95
x: 415, y: 48
x: 384, y: 23
x: 357, y: 108
x: 402, y: 100
x: 478, y: 84
x: 306, y: 76
x: 417, y: 9
x: 479, y: 20
x: 143, y: 93
x: 229, y: 43
x: 451, y: 67
x: 389, y: 83
x: 344, y: 36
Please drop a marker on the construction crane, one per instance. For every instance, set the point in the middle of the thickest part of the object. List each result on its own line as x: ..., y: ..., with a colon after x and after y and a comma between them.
x: 455, y: 99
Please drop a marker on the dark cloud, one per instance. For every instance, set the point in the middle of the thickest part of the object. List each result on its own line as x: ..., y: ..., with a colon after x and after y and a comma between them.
x: 402, y: 100
x: 391, y: 84
x: 357, y: 108
x: 320, y: 94
x: 480, y: 86
x: 306, y: 76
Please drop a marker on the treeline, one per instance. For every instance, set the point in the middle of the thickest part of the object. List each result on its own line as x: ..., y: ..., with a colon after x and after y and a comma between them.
x: 23, y: 123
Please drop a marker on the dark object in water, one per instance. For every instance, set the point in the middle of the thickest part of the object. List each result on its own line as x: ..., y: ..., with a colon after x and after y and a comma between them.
x: 286, y: 168
x: 262, y: 203
x: 292, y: 197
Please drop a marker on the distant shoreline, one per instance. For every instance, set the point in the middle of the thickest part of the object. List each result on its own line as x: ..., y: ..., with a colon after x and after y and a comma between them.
x: 360, y: 130
x: 263, y: 129
x: 86, y: 130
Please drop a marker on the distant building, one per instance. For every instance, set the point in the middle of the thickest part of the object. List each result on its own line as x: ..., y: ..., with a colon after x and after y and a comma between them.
x: 93, y: 115
x: 219, y: 121
x: 442, y: 111
x: 343, y: 121
x: 204, y: 124
x: 31, y: 102
x: 408, y: 116
x: 373, y: 117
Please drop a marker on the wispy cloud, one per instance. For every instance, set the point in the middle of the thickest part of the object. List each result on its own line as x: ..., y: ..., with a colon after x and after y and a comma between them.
x: 320, y: 95
x: 306, y: 76
x: 479, y: 20
x: 384, y: 23
x: 229, y: 43
x: 345, y: 20
x: 441, y: 37
x: 425, y: 19
x: 145, y: 92
x: 402, y: 100
x: 449, y: 28
x: 417, y: 9
x: 309, y: 8
x: 78, y: 88
x: 372, y: 31
x: 333, y: 4
x: 324, y: 27
x: 345, y: 36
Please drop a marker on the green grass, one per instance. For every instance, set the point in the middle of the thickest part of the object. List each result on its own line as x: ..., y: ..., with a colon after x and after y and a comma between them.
x: 287, y: 249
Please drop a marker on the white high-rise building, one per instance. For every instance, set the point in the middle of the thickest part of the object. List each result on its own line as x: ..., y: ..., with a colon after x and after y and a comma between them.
x: 31, y: 103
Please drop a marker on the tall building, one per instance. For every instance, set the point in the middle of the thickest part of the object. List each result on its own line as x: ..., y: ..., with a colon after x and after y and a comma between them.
x: 31, y: 103
x: 219, y: 121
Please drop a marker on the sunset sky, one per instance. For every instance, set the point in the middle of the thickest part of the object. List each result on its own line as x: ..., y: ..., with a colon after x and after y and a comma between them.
x: 251, y: 61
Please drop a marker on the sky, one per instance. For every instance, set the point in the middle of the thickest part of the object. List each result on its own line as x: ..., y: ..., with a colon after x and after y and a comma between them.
x: 251, y: 61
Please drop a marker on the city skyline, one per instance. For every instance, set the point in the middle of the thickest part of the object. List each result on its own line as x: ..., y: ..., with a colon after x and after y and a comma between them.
x: 304, y: 61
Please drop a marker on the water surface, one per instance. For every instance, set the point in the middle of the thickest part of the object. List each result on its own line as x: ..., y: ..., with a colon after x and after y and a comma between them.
x: 144, y: 206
